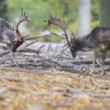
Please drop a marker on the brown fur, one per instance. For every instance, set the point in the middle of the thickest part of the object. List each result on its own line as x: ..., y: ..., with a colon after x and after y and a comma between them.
x: 98, y: 41
x: 7, y: 35
x: 13, y: 38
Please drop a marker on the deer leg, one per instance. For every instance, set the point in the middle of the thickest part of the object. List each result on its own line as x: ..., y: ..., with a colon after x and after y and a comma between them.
x: 103, y: 60
x: 13, y: 57
x: 96, y: 52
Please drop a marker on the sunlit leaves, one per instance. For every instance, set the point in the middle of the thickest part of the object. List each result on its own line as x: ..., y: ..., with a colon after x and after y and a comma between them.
x: 61, y: 91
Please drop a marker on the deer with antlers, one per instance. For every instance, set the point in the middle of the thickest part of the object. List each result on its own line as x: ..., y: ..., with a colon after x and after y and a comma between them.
x: 12, y: 37
x: 98, y: 41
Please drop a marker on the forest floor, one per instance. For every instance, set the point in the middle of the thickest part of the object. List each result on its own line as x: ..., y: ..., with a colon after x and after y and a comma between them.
x: 44, y: 84
x: 51, y: 89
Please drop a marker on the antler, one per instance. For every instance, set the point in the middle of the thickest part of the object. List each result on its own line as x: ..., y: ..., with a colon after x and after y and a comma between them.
x: 62, y: 25
x: 22, y: 18
x: 56, y: 21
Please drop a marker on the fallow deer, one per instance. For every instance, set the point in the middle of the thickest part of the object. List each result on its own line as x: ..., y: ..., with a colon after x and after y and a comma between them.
x: 98, y: 41
x: 12, y: 37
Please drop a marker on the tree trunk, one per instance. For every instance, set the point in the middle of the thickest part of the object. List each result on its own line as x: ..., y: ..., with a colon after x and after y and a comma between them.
x: 3, y: 9
x: 84, y: 15
x: 104, y: 15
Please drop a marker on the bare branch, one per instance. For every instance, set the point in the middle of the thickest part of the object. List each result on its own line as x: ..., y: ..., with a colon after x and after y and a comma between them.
x: 30, y: 43
x: 45, y: 33
x: 59, y: 34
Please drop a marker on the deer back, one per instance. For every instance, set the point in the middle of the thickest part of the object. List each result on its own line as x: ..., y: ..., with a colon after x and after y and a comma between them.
x: 6, y: 31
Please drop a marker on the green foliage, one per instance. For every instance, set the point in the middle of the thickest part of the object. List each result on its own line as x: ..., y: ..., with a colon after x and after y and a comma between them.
x: 95, y: 10
x: 39, y: 10
x: 95, y: 24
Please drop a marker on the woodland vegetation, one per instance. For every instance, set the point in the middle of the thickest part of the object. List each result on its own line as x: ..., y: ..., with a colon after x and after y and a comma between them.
x: 66, y: 10
x: 48, y: 78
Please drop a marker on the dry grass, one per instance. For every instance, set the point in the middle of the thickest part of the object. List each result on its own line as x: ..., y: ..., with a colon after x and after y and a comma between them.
x: 22, y: 89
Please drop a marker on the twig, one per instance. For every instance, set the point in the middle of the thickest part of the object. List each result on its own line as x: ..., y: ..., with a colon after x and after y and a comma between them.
x: 59, y: 34
x: 30, y: 43
x: 96, y: 85
x: 45, y: 33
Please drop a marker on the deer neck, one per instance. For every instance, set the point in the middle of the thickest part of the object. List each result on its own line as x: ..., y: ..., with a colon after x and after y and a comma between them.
x: 84, y: 44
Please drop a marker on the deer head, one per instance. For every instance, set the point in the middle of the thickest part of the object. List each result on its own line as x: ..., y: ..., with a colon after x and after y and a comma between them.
x: 74, y: 44
x: 19, y: 37
x: 63, y: 26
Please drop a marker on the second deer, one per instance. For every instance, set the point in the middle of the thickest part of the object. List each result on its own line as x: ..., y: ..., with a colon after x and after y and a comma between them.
x: 12, y: 37
x: 98, y: 41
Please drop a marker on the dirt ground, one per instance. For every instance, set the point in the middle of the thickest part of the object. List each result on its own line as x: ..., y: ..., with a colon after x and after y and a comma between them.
x: 51, y: 89
x: 38, y: 84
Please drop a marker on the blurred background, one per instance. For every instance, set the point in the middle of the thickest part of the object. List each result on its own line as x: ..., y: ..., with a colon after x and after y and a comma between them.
x: 81, y: 15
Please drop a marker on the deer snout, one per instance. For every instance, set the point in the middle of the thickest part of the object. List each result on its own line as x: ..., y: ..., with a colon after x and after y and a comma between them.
x: 74, y: 55
x: 74, y: 52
